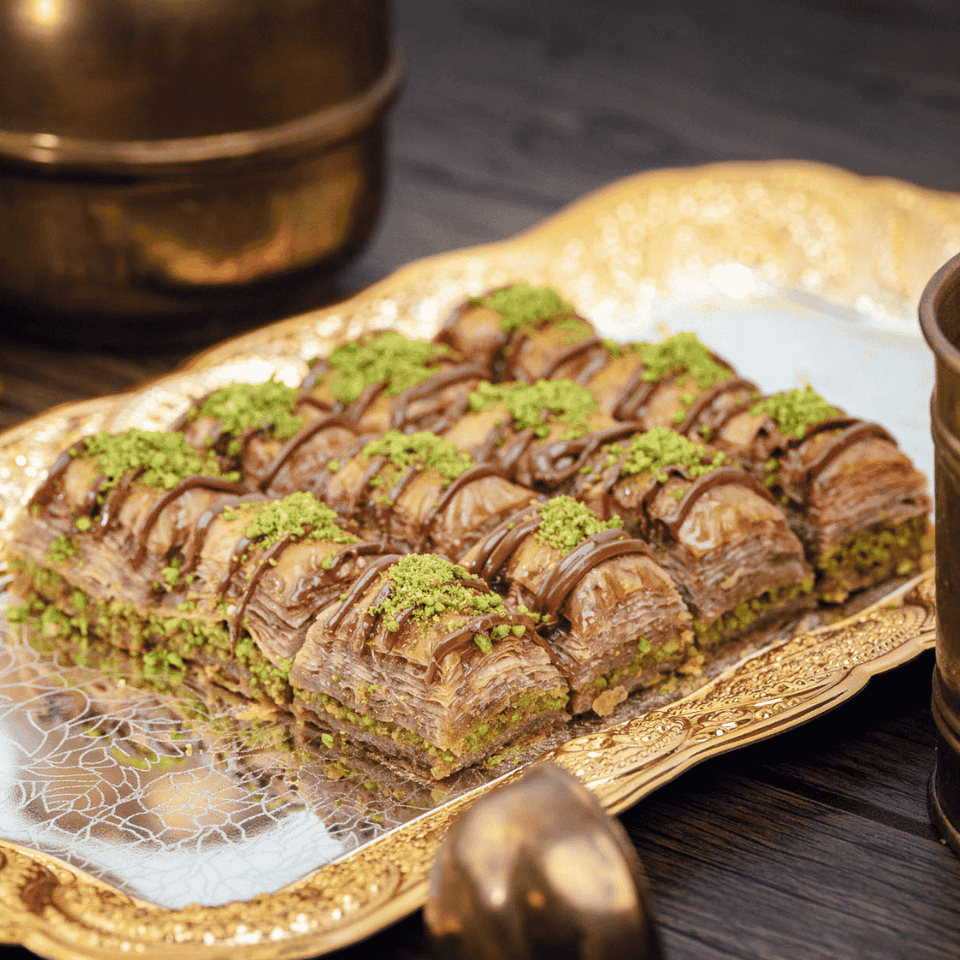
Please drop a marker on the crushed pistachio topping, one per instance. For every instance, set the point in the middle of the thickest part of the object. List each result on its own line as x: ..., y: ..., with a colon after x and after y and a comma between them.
x: 387, y: 357
x: 523, y: 304
x: 270, y: 407
x: 795, y: 411
x: 681, y: 355
x: 164, y: 458
x: 404, y: 450
x: 566, y: 523
x: 299, y: 514
x: 657, y: 449
x: 430, y: 586
x: 538, y: 405
x: 62, y: 550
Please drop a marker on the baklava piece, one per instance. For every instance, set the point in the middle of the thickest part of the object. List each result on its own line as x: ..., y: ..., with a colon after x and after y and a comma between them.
x: 852, y: 495
x: 387, y: 381
x: 712, y: 526
x: 613, y: 617
x: 522, y: 332
x: 421, y: 660
x: 539, y: 434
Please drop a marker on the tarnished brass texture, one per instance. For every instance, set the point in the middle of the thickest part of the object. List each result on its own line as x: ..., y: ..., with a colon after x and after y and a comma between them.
x: 536, y: 869
x: 161, y: 159
x: 801, y: 226
x: 940, y: 322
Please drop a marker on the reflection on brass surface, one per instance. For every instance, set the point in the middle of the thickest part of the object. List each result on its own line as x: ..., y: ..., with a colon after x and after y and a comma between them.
x: 91, y: 882
x: 536, y: 868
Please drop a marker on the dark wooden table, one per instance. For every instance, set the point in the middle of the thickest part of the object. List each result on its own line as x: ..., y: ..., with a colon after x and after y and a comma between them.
x: 817, y: 843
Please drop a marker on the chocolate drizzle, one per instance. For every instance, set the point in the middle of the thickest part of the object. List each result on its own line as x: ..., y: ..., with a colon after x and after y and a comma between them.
x: 496, y: 548
x: 463, y: 637
x: 354, y: 411
x: 846, y: 438
x: 555, y: 462
x: 563, y: 356
x: 298, y: 439
x: 590, y: 553
x: 634, y: 394
x: 610, y: 476
x: 194, y: 546
x: 400, y: 417
x: 46, y: 492
x: 549, y: 463
x: 721, y: 476
x: 638, y: 390
x: 112, y: 502
x: 360, y: 586
x: 849, y: 431
x: 494, y: 552
x: 270, y: 558
x: 479, y: 472
x: 189, y: 483
x: 711, y: 395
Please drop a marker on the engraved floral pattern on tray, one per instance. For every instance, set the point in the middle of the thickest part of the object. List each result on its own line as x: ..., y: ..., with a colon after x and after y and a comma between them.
x: 155, y: 779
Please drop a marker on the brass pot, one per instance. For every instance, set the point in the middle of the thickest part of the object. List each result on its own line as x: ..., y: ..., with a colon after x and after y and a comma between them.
x: 940, y: 323
x: 170, y: 158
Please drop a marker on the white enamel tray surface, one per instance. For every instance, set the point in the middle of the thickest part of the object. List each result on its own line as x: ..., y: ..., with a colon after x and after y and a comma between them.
x: 152, y: 834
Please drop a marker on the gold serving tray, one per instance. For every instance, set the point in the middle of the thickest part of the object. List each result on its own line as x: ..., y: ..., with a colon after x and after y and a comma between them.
x: 745, y: 254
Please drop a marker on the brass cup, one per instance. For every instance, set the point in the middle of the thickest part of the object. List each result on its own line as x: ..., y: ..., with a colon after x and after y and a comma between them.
x: 172, y: 172
x: 940, y: 322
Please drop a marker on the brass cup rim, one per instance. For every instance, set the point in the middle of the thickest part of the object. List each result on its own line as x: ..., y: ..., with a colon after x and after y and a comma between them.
x: 143, y: 157
x: 930, y: 301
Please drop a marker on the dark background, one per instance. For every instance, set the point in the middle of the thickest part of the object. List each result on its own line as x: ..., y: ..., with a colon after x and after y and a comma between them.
x: 815, y: 844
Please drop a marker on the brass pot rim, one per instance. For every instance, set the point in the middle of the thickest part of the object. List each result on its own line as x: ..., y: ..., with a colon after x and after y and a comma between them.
x: 937, y: 340
x: 144, y: 157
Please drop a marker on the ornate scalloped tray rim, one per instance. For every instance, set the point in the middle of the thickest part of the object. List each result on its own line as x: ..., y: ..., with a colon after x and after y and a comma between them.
x: 62, y: 912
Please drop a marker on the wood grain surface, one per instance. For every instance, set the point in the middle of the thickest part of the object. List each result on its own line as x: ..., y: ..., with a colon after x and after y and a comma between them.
x: 817, y: 843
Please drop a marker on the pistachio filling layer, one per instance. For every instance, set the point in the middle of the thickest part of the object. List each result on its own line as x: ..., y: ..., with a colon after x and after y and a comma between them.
x: 484, y: 732
x: 745, y: 614
x: 163, y: 642
x: 647, y: 659
x: 883, y: 550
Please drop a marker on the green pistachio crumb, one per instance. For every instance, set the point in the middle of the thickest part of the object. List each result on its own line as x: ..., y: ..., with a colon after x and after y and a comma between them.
x: 404, y: 450
x: 298, y: 514
x: 164, y: 458
x: 566, y: 523
x: 682, y: 356
x: 483, y: 642
x: 795, y: 411
x: 63, y: 549
x: 660, y: 448
x: 389, y: 357
x: 523, y: 304
x: 270, y: 407
x: 430, y: 585
x: 538, y: 405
